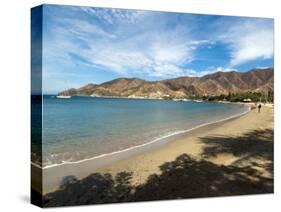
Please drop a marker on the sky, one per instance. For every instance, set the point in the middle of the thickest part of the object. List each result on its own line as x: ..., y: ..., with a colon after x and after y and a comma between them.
x: 92, y: 45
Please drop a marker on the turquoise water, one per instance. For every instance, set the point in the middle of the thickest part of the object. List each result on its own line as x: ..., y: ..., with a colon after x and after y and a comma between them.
x: 85, y: 127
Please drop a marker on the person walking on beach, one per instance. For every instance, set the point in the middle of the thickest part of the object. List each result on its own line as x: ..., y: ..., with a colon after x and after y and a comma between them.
x: 259, y: 108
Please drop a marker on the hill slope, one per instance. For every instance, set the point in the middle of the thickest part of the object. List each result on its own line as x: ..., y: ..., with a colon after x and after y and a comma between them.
x: 208, y: 85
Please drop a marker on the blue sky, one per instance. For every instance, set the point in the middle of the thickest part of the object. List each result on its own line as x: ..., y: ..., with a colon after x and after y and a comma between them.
x: 93, y: 45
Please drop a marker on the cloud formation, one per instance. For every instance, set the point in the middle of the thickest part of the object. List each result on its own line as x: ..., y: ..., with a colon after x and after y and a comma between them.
x: 249, y: 40
x: 150, y: 45
x: 151, y: 50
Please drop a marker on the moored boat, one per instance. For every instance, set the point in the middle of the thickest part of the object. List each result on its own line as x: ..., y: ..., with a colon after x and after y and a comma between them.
x: 63, y: 97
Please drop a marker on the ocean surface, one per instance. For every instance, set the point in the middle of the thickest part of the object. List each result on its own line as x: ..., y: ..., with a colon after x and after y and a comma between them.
x: 86, y: 127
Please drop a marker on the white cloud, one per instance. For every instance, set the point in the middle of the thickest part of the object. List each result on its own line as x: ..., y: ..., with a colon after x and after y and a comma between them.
x: 83, y: 29
x: 113, y: 15
x: 210, y: 70
x: 249, y: 40
x: 116, y: 60
x: 166, y: 70
x: 154, y: 51
x: 176, y: 51
x: 150, y: 51
x: 156, y: 58
x: 112, y: 41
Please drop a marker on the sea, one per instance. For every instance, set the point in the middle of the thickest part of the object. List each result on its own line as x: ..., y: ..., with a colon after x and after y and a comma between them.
x: 83, y: 128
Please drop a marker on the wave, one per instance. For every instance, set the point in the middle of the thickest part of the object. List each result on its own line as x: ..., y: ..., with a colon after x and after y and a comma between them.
x: 140, y: 145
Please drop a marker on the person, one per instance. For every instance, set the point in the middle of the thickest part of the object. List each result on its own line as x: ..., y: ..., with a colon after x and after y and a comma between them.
x: 259, y: 108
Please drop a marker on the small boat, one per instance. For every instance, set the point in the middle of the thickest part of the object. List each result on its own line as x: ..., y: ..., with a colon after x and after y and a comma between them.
x: 186, y: 100
x: 198, y: 100
x: 181, y: 100
x: 63, y: 97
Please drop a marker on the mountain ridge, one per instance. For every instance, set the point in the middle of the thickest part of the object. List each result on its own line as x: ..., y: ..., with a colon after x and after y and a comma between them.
x: 254, y: 80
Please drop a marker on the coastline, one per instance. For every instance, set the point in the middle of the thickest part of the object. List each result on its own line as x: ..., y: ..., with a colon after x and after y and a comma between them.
x: 54, y: 175
x: 158, y: 139
x: 206, y: 162
x: 219, y: 143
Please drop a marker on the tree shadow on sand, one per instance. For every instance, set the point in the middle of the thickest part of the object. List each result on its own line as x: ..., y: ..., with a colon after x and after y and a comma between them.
x: 251, y: 147
x: 184, y: 177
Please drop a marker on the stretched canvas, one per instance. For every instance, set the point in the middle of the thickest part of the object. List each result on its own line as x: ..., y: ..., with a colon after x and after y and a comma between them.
x: 134, y: 105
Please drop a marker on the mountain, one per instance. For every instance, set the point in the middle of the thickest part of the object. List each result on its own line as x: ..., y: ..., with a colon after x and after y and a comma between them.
x: 255, y: 80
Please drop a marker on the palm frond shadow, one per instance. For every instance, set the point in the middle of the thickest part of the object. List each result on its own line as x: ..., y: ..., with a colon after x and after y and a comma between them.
x: 257, y: 142
x: 252, y: 146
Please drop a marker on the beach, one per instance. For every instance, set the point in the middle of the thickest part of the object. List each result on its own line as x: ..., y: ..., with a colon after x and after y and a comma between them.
x: 194, y: 144
x: 240, y: 148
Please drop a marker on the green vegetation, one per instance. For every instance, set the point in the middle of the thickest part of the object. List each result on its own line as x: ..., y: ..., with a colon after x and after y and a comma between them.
x: 232, y: 97
x: 241, y: 97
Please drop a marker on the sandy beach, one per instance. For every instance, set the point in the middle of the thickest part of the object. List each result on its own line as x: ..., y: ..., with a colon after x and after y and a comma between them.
x: 227, y: 158
x: 197, y: 142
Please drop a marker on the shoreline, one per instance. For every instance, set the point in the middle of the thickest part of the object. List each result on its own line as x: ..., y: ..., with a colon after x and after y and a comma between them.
x: 143, y: 164
x: 158, y: 139
x: 245, y: 141
x: 213, y: 163
x: 53, y: 176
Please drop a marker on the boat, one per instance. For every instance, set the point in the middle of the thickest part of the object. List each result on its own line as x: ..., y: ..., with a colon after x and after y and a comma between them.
x: 186, y: 100
x: 63, y: 97
x: 181, y: 100
x: 198, y: 100
x: 59, y: 96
